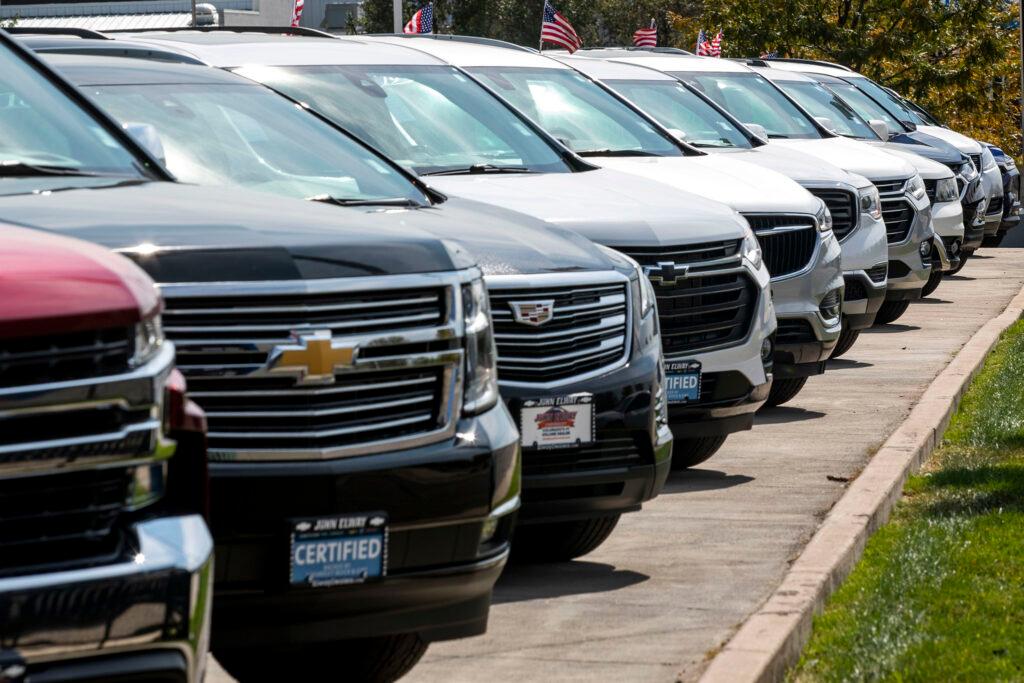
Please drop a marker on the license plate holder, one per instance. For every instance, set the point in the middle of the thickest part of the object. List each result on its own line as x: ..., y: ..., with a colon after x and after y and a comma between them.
x: 557, y: 422
x: 338, y: 549
x: 683, y: 381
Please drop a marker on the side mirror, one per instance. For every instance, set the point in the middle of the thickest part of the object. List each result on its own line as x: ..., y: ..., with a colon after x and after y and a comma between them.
x: 826, y: 123
x: 880, y: 127
x: 758, y: 131
x: 911, y: 126
x: 145, y: 134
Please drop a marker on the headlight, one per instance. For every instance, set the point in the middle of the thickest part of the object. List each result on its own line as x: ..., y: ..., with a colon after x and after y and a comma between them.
x: 967, y: 171
x: 946, y: 190
x: 915, y: 187
x: 1009, y: 163
x: 751, y: 250
x: 988, y: 162
x: 646, y: 294
x: 149, y: 336
x: 824, y: 218
x: 870, y: 202
x: 481, y: 356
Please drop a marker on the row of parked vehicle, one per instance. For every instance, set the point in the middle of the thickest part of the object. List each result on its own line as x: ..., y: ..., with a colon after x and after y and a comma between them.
x: 426, y: 293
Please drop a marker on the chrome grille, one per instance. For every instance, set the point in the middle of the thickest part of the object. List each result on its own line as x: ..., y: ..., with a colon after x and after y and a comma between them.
x: 897, y: 212
x: 711, y: 306
x: 843, y: 207
x: 587, y: 333
x: 400, y: 386
x: 787, y: 242
x: 64, y: 357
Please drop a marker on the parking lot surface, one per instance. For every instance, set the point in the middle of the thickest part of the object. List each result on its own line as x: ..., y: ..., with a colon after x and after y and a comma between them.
x: 674, y: 581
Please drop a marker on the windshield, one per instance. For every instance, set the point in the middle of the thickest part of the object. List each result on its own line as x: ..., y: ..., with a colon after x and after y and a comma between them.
x: 683, y: 112
x: 41, y: 127
x: 821, y: 102
x: 752, y: 99
x: 430, y: 119
x: 577, y: 111
x: 222, y: 134
x: 866, y: 107
x: 883, y: 97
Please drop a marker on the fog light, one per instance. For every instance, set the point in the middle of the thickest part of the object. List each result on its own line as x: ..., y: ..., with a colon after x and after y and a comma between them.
x: 925, y: 249
x: 831, y: 306
x: 489, y: 528
x: 766, y: 350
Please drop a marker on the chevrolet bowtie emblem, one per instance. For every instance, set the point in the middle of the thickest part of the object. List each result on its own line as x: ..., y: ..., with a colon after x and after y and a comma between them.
x: 313, y: 359
x: 666, y: 273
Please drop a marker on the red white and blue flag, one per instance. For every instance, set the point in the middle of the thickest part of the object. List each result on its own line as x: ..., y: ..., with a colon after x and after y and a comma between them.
x: 555, y: 29
x: 716, y: 46
x: 422, y: 21
x: 702, y: 44
x: 297, y: 12
x: 646, y: 37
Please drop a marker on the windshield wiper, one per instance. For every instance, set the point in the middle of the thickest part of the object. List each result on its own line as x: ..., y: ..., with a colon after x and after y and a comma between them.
x: 481, y: 168
x: 777, y: 136
x: 617, y: 153
x: 15, y: 168
x: 351, y: 201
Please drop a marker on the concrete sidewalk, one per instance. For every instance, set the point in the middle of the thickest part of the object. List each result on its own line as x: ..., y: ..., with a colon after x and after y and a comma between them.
x: 674, y: 581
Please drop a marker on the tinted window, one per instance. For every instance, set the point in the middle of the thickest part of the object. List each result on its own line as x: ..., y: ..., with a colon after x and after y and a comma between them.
x: 892, y: 104
x: 864, y: 105
x: 821, y: 102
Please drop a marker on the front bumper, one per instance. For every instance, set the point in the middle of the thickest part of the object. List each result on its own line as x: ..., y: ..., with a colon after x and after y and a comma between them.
x: 439, y: 572
x: 149, y: 615
x: 864, y: 296
x: 625, y: 465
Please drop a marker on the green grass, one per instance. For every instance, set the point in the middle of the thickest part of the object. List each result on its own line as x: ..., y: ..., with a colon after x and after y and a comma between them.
x: 939, y: 593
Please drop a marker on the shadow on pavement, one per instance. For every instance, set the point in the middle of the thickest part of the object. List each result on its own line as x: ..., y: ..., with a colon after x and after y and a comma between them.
x: 521, y: 582
x: 690, y: 481
x: 783, y: 414
x: 958, y: 278
x: 892, y: 328
x: 932, y: 300
x: 847, y: 364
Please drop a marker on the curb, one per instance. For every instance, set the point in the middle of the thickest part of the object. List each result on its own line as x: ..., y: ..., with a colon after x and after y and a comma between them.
x: 770, y: 641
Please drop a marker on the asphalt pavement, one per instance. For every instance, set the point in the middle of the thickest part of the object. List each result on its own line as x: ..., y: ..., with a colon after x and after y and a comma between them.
x: 674, y: 581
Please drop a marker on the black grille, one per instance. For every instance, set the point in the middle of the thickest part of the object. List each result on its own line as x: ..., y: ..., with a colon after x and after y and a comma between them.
x: 786, y: 250
x: 60, y: 518
x: 855, y: 289
x: 976, y: 160
x: 700, y: 311
x: 970, y: 212
x: 59, y: 358
x: 899, y: 217
x: 359, y: 406
x: 794, y: 332
x: 879, y: 272
x: 612, y: 449
x: 587, y: 331
x: 931, y: 187
x: 995, y: 206
x: 898, y: 269
x: 843, y: 207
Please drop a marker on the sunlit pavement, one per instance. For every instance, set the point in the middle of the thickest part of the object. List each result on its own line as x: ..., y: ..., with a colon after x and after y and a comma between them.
x: 675, y: 580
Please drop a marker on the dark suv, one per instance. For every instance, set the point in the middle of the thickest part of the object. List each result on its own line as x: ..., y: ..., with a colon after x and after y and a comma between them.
x: 364, y: 473
x: 105, y: 560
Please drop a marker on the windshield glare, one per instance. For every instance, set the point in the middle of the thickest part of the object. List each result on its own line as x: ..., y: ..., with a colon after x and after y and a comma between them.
x: 752, y: 99
x: 682, y: 112
x: 893, y: 105
x: 218, y: 134
x: 428, y: 118
x: 577, y: 111
x: 39, y: 125
x: 866, y: 107
x: 823, y: 103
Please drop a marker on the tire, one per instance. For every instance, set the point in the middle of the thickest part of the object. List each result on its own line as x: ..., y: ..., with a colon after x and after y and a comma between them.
x: 561, y: 541
x: 891, y: 311
x: 847, y: 338
x: 367, y: 660
x: 933, y: 283
x: 784, y: 390
x: 688, y: 453
x: 963, y: 262
x: 993, y: 240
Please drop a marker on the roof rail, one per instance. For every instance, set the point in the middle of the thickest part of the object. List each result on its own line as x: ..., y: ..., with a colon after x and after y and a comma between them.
x: 55, y: 31
x: 634, y: 48
x: 282, y: 30
x: 477, y: 40
x: 812, y: 62
x: 750, y: 61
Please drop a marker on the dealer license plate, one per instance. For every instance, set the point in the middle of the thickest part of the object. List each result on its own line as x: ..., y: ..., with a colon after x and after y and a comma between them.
x: 558, y: 422
x: 330, y: 551
x: 682, y: 381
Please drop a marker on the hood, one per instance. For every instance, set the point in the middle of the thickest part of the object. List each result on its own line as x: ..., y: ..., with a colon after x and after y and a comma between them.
x: 961, y: 142
x: 852, y: 156
x: 803, y: 168
x: 928, y: 146
x: 930, y: 170
x: 505, y: 242
x: 54, y: 285
x: 187, y: 233
x: 611, y: 208
x: 742, y: 186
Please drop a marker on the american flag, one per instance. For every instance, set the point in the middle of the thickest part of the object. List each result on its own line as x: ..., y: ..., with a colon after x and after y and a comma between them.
x: 770, y: 55
x: 297, y: 12
x: 422, y: 21
x: 646, y: 37
x: 556, y: 30
x: 716, y: 46
x: 703, y: 46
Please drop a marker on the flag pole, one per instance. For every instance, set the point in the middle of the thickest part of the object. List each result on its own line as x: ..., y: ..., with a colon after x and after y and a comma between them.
x: 396, y: 15
x: 543, y: 7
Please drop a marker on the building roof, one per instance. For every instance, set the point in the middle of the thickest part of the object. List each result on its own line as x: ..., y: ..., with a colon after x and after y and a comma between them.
x: 110, y: 22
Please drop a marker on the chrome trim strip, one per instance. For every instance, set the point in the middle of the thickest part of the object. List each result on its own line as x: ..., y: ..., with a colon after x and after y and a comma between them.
x: 303, y: 308
x: 121, y: 434
x: 314, y: 391
x: 332, y: 325
x: 325, y: 412
x: 173, y: 290
x: 319, y: 434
